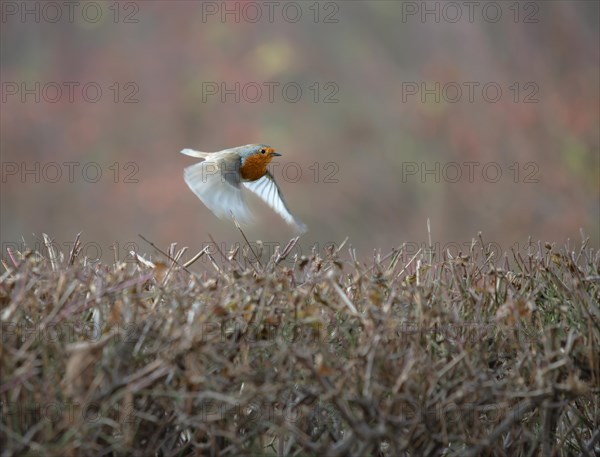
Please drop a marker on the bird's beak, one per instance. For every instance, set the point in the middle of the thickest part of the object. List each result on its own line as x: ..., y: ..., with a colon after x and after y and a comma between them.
x: 276, y: 154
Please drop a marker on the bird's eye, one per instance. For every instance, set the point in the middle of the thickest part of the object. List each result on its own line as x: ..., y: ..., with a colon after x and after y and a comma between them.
x: 263, y: 150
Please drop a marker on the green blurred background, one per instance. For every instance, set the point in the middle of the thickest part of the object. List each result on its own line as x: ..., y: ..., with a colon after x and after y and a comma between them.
x: 350, y: 142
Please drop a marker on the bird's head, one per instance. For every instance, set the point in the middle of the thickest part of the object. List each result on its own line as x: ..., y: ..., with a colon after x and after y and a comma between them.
x: 255, y: 158
x: 261, y: 152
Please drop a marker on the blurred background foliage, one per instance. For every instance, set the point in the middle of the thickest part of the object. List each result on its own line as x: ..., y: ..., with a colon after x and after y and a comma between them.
x: 371, y: 132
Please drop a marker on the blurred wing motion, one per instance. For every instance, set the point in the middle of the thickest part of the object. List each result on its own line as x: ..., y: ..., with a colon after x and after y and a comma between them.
x: 216, y: 182
x: 268, y: 190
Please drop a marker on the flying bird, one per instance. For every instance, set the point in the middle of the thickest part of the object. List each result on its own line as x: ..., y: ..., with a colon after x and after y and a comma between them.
x: 219, y: 178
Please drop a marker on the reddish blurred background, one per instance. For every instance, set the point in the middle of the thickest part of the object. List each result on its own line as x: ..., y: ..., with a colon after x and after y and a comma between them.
x: 362, y: 148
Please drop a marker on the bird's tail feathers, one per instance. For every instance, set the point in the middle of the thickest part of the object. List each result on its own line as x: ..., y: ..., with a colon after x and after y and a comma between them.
x: 194, y: 153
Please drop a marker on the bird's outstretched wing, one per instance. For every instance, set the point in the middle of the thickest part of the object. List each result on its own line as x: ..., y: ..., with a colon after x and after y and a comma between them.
x: 216, y: 182
x: 268, y: 190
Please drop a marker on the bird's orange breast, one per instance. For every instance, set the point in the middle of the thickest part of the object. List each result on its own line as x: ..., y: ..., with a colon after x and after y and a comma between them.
x: 255, y: 167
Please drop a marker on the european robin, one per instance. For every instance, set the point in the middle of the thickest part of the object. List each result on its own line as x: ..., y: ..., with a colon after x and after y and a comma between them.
x: 218, y: 180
